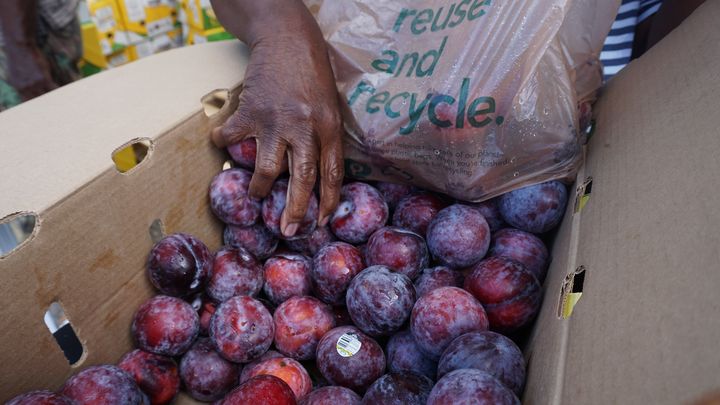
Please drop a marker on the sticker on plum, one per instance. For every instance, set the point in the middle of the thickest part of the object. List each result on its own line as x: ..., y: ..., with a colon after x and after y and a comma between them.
x: 348, y: 345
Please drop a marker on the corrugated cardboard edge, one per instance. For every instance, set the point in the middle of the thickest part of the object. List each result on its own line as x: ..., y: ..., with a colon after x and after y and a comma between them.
x: 646, y: 328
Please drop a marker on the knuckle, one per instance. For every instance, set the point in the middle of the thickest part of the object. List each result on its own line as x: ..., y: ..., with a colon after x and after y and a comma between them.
x: 334, y: 173
x: 266, y: 167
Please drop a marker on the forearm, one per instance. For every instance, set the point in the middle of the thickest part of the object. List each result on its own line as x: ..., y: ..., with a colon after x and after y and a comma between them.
x: 255, y: 21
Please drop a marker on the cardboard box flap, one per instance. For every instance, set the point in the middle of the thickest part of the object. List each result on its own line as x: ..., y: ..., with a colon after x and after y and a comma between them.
x: 647, y: 327
x: 75, y: 129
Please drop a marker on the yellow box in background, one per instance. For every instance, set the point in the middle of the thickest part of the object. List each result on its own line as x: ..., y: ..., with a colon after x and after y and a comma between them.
x: 197, y: 36
x: 101, y: 56
x: 148, y: 17
x: 198, y: 14
x: 104, y: 15
x: 156, y: 44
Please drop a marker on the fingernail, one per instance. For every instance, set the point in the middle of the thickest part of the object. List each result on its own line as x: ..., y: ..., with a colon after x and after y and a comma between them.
x: 324, y: 220
x: 290, y: 230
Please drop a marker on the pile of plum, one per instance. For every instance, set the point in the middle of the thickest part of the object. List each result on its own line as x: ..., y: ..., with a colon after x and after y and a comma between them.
x: 405, y: 297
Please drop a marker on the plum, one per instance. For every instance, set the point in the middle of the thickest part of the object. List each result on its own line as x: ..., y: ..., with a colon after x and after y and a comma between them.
x: 490, y: 209
x: 205, y: 374
x: 43, y: 398
x: 362, y: 211
x: 286, y: 369
x: 348, y: 357
x: 535, y: 209
x: 157, y: 376
x: 331, y: 395
x: 334, y: 266
x: 486, y: 351
x: 416, y: 211
x: 403, y: 388
x: 458, y: 236
x: 230, y: 200
x: 509, y: 293
x: 403, y: 354
x: 165, y: 325
x: 393, y: 192
x: 471, y: 387
x: 287, y: 276
x: 380, y: 301
x: 244, y: 153
x: 442, y: 315
x: 401, y: 250
x: 179, y: 265
x: 102, y: 385
x: 235, y: 272
x: 274, y: 204
x: 300, y: 323
x: 436, y: 277
x: 270, y: 354
x: 256, y: 239
x: 242, y: 329
x: 523, y: 247
x: 260, y: 390
x: 310, y: 245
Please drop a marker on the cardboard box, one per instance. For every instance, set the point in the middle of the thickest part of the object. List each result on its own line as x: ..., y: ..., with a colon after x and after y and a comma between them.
x: 644, y: 331
x: 148, y: 17
x: 197, y: 36
x: 198, y: 14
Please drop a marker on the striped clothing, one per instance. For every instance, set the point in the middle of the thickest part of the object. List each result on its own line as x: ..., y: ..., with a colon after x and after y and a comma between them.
x: 618, y: 46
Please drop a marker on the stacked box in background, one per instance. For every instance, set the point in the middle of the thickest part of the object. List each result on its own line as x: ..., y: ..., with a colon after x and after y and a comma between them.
x: 119, y: 31
x: 104, y: 40
x: 199, y: 23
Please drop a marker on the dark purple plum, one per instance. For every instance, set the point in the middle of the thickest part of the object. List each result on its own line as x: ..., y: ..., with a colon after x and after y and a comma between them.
x: 206, y: 375
x: 274, y: 204
x: 510, y: 294
x: 287, y: 276
x: 523, y: 247
x: 403, y: 354
x: 157, y: 376
x: 179, y: 265
x: 165, y: 325
x: 401, y: 250
x: 458, y: 236
x: 393, y: 192
x: 362, y: 211
x: 242, y: 329
x: 260, y: 390
x: 229, y: 198
x: 469, y: 386
x: 235, y: 272
x: 310, y: 245
x: 350, y: 358
x: 399, y: 389
x: 286, y: 369
x: 417, y: 211
x: 300, y: 323
x: 244, y: 153
x: 47, y: 398
x: 380, y: 301
x: 334, y: 266
x: 102, y: 385
x: 256, y: 239
x: 486, y: 351
x: 535, y: 209
x: 436, y: 277
x: 332, y: 395
x: 442, y: 315
x: 490, y: 209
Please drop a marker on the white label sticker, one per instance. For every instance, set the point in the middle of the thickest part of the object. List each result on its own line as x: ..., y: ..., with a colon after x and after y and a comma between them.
x: 135, y: 9
x: 348, y: 344
x: 104, y: 19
